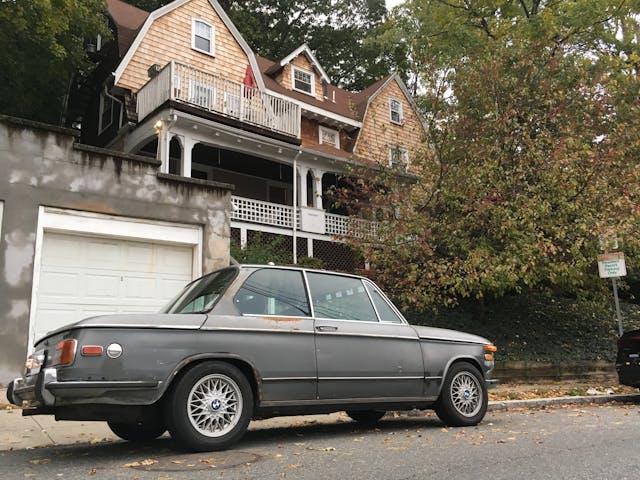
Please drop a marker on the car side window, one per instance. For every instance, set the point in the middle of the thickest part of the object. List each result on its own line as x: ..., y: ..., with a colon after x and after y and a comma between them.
x: 342, y: 298
x: 273, y: 292
x: 385, y: 312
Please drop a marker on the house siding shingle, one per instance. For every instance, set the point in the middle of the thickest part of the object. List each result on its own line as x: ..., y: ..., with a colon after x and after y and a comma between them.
x: 169, y: 38
x: 379, y: 133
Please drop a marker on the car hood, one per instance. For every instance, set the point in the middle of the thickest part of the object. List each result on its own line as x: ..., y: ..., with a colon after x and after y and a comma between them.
x: 143, y: 320
x: 433, y: 333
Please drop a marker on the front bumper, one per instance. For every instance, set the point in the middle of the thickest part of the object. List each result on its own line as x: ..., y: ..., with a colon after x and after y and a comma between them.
x: 493, y: 383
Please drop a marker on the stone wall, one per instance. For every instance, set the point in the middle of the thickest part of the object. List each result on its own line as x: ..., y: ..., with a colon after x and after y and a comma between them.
x: 41, y: 165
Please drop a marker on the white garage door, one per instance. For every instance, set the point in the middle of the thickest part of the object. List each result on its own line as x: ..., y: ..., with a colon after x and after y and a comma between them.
x: 82, y: 276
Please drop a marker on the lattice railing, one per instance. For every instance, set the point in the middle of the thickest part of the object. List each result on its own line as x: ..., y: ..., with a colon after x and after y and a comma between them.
x: 274, y: 214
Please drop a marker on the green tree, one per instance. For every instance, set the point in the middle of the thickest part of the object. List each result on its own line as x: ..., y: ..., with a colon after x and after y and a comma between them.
x: 335, y: 30
x: 43, y: 45
x: 534, y: 142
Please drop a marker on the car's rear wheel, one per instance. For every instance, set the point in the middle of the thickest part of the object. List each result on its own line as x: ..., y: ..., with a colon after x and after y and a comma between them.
x: 210, y: 407
x: 463, y: 399
x: 366, y: 417
x: 138, y: 431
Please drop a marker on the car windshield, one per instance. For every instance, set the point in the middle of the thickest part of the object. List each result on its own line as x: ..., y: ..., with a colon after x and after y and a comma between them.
x: 201, y: 295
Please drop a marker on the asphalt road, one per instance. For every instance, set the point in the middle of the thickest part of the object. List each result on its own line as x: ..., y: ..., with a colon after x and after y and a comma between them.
x: 567, y: 442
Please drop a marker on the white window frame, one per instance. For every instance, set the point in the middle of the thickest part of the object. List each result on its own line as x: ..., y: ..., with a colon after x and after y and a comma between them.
x: 404, y: 157
x: 212, y: 50
x: 312, y: 82
x: 103, y: 99
x: 398, y: 111
x: 322, y: 130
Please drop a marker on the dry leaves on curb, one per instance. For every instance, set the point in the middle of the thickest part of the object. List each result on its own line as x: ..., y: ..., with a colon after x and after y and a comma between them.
x: 143, y: 463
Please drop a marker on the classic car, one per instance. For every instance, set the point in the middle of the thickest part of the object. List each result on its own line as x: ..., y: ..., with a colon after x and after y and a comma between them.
x: 249, y: 342
x: 628, y: 359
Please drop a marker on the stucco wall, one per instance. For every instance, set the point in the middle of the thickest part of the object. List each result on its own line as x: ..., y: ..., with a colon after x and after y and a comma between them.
x: 44, y: 166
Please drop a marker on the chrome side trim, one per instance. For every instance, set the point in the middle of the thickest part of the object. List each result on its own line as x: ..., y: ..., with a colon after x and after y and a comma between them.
x: 451, y: 340
x: 396, y: 400
x: 332, y: 379
x: 256, y: 330
x: 289, y: 379
x: 433, y: 378
x: 102, y: 384
x: 368, y: 335
x: 138, y: 325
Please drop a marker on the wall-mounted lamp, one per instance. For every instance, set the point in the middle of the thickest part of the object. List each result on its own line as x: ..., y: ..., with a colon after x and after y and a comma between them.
x: 158, y: 127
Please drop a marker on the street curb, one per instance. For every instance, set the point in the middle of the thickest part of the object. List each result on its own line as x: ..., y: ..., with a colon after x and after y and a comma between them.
x: 578, y: 400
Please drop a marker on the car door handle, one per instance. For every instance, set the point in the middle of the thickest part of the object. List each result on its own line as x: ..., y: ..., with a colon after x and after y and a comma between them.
x: 326, y: 328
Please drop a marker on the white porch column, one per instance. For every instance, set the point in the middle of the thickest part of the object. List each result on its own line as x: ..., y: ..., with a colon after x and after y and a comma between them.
x: 187, y: 148
x: 317, y: 188
x: 164, y: 140
x: 302, y: 186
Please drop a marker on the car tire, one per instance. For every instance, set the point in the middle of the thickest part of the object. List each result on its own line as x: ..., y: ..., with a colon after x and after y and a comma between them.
x: 463, y: 398
x: 138, y: 431
x: 366, y: 417
x: 209, y: 407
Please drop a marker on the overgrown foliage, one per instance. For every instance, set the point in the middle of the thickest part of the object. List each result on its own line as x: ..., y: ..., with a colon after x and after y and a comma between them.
x: 43, y: 46
x: 534, y: 147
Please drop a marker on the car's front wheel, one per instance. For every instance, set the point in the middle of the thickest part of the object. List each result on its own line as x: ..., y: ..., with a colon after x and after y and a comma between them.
x: 463, y: 398
x: 210, y: 407
x: 138, y: 431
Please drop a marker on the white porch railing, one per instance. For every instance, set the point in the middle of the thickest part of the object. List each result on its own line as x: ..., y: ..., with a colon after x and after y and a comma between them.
x: 276, y: 215
x: 213, y: 93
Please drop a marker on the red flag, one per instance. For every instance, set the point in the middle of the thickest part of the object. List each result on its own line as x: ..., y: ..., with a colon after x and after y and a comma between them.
x: 249, y: 79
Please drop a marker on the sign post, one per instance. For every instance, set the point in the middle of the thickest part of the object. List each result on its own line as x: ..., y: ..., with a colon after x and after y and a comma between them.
x: 612, y: 265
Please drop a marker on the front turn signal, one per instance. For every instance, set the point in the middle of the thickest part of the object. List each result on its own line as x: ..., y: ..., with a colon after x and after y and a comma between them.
x: 489, y: 350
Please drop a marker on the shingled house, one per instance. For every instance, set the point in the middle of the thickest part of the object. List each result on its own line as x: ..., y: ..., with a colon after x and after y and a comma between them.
x: 182, y: 85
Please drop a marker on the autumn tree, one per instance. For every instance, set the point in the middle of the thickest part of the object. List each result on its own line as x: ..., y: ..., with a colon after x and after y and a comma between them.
x: 43, y: 45
x: 534, y: 144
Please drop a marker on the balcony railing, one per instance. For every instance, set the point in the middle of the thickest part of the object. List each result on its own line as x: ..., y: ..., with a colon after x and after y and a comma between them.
x: 213, y: 93
x: 276, y: 215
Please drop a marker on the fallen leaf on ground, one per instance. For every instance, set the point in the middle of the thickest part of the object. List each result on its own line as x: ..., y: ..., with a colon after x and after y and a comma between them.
x: 143, y: 463
x: 328, y: 449
x: 40, y: 461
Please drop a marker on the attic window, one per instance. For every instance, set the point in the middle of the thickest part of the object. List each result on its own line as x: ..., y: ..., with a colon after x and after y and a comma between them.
x: 302, y: 81
x: 329, y: 136
x: 395, y: 111
x: 398, y: 157
x: 202, y: 36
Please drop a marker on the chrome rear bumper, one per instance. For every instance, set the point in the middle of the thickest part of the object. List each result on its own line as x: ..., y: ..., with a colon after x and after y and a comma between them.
x: 31, y: 391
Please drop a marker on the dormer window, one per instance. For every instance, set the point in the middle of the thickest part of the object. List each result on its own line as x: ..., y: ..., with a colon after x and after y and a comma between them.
x: 302, y: 81
x: 329, y: 136
x: 395, y: 111
x: 202, y: 37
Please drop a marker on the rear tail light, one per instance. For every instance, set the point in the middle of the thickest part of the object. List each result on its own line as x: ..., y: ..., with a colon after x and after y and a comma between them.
x: 65, y: 353
x: 489, y: 350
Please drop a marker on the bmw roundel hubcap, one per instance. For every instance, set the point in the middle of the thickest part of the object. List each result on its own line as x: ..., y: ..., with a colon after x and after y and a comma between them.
x: 214, y: 405
x: 466, y: 394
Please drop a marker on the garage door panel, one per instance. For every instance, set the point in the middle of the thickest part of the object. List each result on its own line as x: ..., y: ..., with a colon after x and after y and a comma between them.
x: 102, y: 285
x: 64, y: 284
x: 102, y: 254
x: 82, y: 276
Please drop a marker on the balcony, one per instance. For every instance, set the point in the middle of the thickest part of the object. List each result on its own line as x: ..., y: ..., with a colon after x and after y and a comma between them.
x: 212, y: 93
x: 276, y: 215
